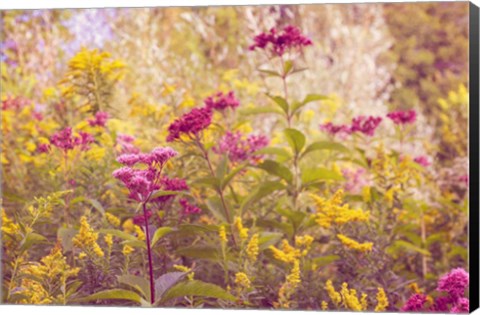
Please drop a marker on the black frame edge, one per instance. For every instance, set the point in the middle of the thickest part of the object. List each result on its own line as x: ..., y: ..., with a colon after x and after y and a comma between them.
x: 474, y: 223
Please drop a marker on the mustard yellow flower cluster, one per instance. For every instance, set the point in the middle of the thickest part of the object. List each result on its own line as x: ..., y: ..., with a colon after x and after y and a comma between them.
x: 113, y: 220
x: 352, y: 244
x: 190, y: 273
x: 51, y: 273
x: 252, y: 248
x: 347, y: 298
x: 242, y: 231
x: 332, y: 211
x: 222, y: 233
x: 127, y: 250
x: 8, y: 226
x: 242, y: 281
x: 290, y: 285
x: 304, y: 243
x: 382, y: 300
x: 287, y: 254
x: 86, y: 239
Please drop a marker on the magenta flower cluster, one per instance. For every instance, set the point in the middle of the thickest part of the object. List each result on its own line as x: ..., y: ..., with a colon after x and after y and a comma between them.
x: 364, y: 124
x: 454, y: 285
x: 403, y: 117
x: 422, y: 160
x: 221, y: 101
x: 188, y: 208
x: 241, y: 149
x: 126, y: 144
x: 277, y: 43
x: 190, y: 124
x: 100, y: 119
x: 64, y: 140
x: 142, y: 183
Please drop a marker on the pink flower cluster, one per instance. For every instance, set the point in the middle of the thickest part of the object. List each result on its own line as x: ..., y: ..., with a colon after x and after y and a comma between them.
x: 190, y: 124
x: 277, y: 43
x: 239, y: 149
x: 188, y: 208
x: 363, y: 124
x: 65, y: 141
x: 221, y: 101
x: 100, y: 119
x: 422, y: 160
x: 403, y: 117
x: 454, y: 284
x: 126, y: 144
x: 15, y: 103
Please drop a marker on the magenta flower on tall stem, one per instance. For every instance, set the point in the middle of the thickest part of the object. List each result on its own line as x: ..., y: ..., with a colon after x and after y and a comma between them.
x: 403, y: 117
x: 278, y: 43
x: 365, y: 125
x: 100, y: 119
x: 336, y: 130
x: 190, y: 124
x: 240, y: 149
x: 142, y: 183
x: 221, y: 102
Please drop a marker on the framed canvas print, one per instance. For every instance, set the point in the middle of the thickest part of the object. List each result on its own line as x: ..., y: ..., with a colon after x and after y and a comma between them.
x: 318, y: 157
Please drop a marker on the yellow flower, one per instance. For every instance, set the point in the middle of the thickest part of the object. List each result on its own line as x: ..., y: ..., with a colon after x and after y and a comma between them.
x: 113, y: 220
x: 252, y: 248
x: 382, y: 301
x: 128, y: 226
x: 140, y: 233
x: 350, y: 299
x: 334, y: 295
x: 287, y: 254
x: 294, y: 276
x: 241, y: 279
x: 324, y: 306
x: 364, y: 302
x: 185, y: 269
x: 304, y: 242
x: 352, y: 244
x: 222, y: 234
x: 86, y: 239
x: 242, y: 232
x: 109, y: 240
x: 127, y: 250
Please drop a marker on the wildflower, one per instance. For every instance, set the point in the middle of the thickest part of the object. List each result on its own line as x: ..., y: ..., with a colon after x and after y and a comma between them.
x: 287, y: 254
x: 461, y: 306
x: 241, y: 279
x: 65, y: 141
x: 350, y: 298
x: 304, y: 242
x: 422, y: 160
x: 99, y: 120
x: 290, y: 285
x: 126, y: 144
x: 365, y: 247
x: 333, y: 130
x: 277, y: 43
x: 324, y: 306
x: 127, y: 250
x: 403, y: 117
x: 364, y: 302
x: 188, y: 208
x: 128, y: 226
x: 109, y: 240
x: 222, y: 234
x: 334, y: 295
x: 382, y: 301
x: 252, y: 248
x: 113, y: 220
x: 185, y: 269
x: 43, y: 148
x: 139, y: 232
x: 242, y: 232
x: 454, y: 283
x: 82, y: 255
x: 190, y: 124
x: 294, y: 276
x: 365, y: 125
x: 415, y: 303
x: 86, y: 239
x: 239, y: 149
x: 221, y: 101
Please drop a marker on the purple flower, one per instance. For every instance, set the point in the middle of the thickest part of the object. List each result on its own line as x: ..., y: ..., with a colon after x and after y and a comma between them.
x: 462, y: 306
x: 454, y: 283
x: 128, y: 159
x: 188, y: 208
x: 277, y: 43
x: 422, y: 160
x: 239, y: 149
x: 403, y: 117
x: 158, y: 156
x: 222, y: 101
x: 170, y: 184
x: 126, y: 144
x: 43, y: 148
x: 415, y: 303
x: 355, y: 179
x: 365, y: 125
x: 63, y: 139
x: 99, y: 120
x: 162, y: 155
x: 336, y: 129
x: 190, y: 123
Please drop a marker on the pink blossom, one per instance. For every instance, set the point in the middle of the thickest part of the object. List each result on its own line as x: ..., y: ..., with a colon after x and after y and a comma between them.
x: 277, y: 43
x: 99, y: 120
x: 239, y: 149
x: 454, y: 283
x: 15, y: 103
x: 188, y: 208
x: 403, y: 117
x: 65, y: 141
x: 461, y: 306
x: 222, y: 101
x: 43, y: 148
x: 415, y: 303
x: 140, y: 218
x: 126, y: 144
x: 365, y: 125
x: 336, y: 129
x: 422, y: 160
x: 190, y: 124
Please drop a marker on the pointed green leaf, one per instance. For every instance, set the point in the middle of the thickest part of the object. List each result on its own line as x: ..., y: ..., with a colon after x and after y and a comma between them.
x: 280, y: 101
x: 159, y: 233
x: 296, y: 139
x: 276, y: 169
x: 197, y: 288
x: 139, y: 283
x: 114, y: 294
x: 166, y: 281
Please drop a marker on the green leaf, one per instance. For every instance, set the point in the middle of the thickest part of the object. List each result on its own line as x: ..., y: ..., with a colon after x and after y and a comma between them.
x: 261, y: 110
x: 325, y: 260
x: 287, y: 67
x: 411, y: 247
x: 118, y: 233
x: 296, y: 139
x: 313, y: 175
x: 280, y: 101
x: 208, y: 181
x: 161, y: 193
x: 281, y: 152
x: 260, y: 192
x: 226, y: 180
x: 114, y: 294
x: 200, y: 252
x: 166, y: 281
x: 268, y: 238
x: 214, y: 204
x: 66, y: 235
x: 159, y: 233
x: 308, y: 99
x: 194, y: 228
x: 31, y: 239
x: 197, y: 288
x: 139, y: 283
x: 222, y: 168
x: 96, y: 204
x: 270, y: 73
x: 325, y: 145
x: 276, y: 169
x: 295, y: 217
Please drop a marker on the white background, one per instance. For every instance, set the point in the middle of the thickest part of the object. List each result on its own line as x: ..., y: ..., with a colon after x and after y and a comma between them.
x: 79, y: 310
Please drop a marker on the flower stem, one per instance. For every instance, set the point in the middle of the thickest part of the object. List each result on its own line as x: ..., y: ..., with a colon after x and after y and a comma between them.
x: 149, y: 252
